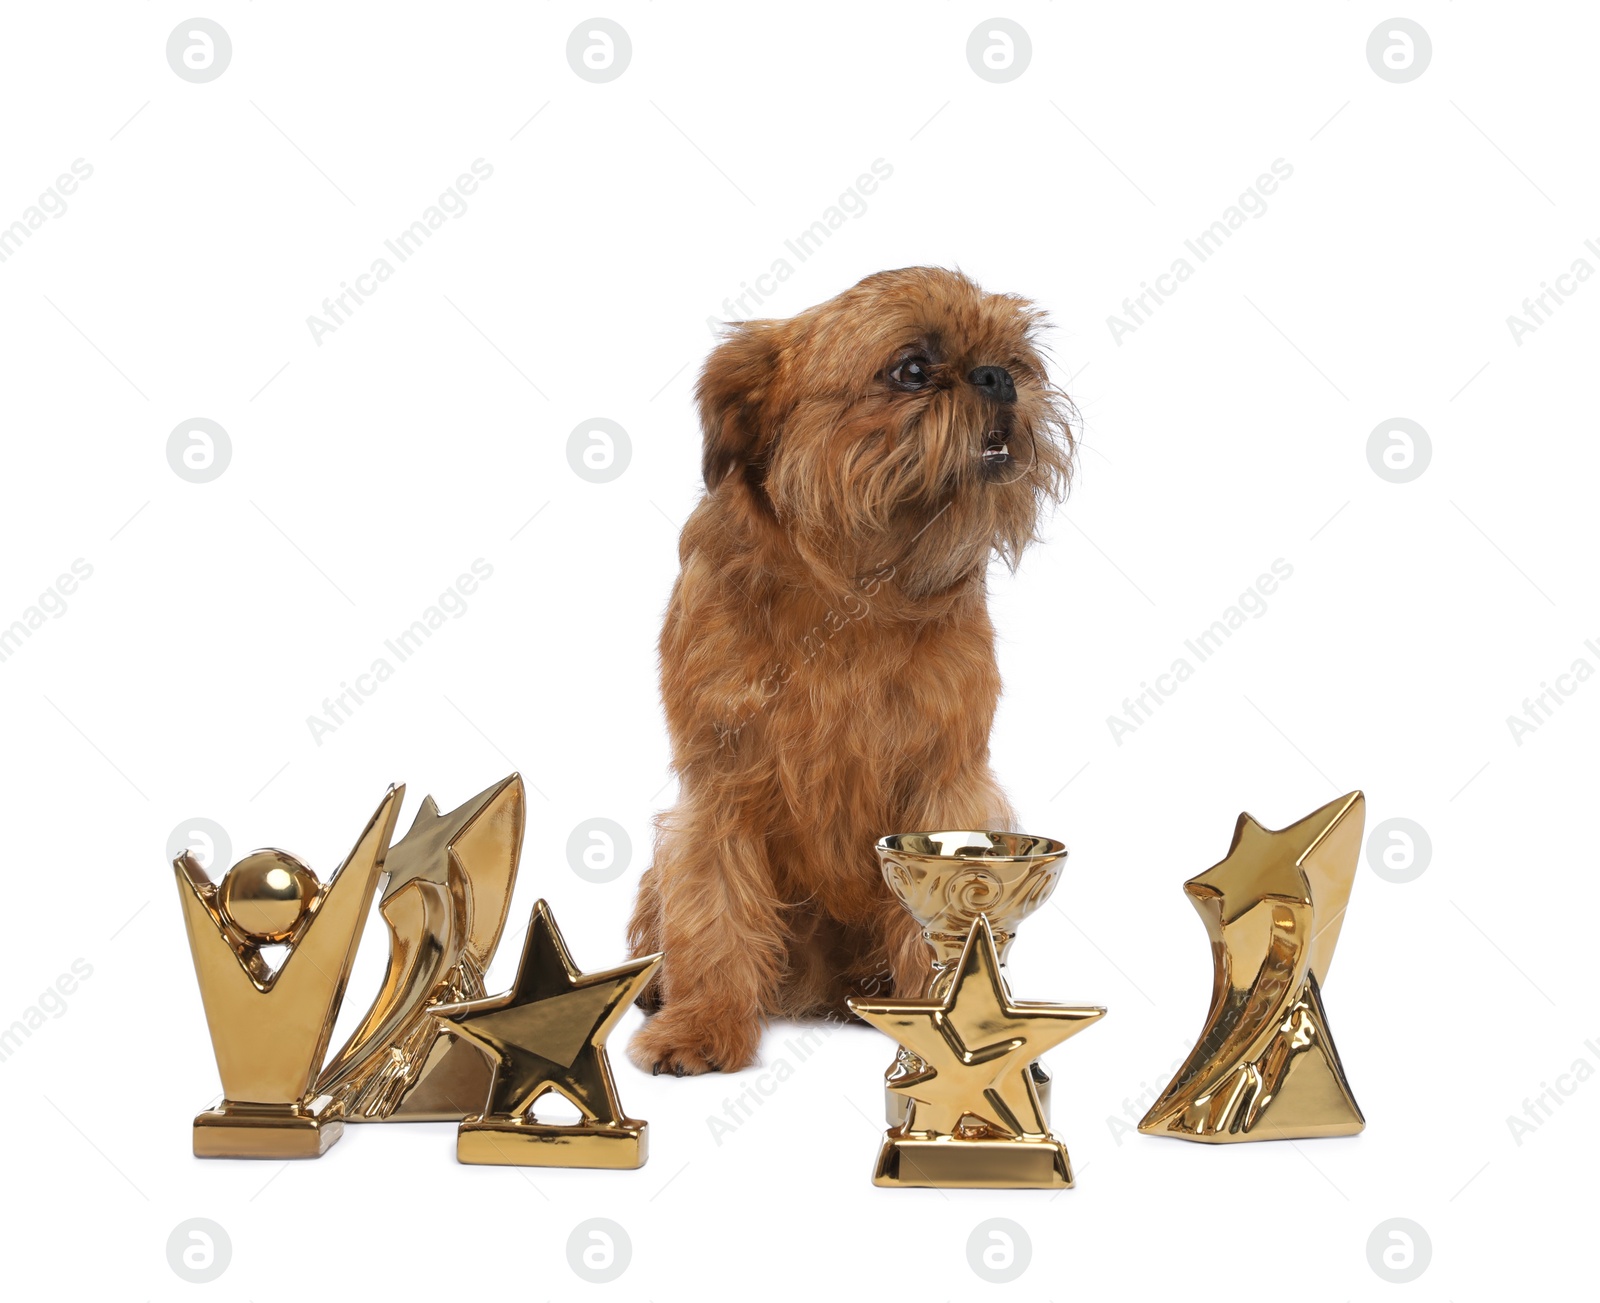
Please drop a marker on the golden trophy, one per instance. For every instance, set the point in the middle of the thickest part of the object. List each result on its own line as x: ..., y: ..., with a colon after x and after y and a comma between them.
x: 973, y: 1115
x: 270, y: 1026
x: 548, y: 1034
x: 945, y: 880
x: 449, y: 890
x: 1265, y: 1067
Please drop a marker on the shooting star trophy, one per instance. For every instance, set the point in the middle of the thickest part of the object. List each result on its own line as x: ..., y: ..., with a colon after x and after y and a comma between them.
x: 1265, y: 1067
x: 445, y: 906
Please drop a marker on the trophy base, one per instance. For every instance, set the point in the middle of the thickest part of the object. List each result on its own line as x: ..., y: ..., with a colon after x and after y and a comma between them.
x: 279, y: 1131
x: 510, y: 1142
x: 954, y: 1163
x: 1264, y: 1127
x: 1307, y: 1098
x: 1262, y: 1131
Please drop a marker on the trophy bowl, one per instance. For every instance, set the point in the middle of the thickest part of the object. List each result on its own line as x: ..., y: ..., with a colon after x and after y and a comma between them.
x: 946, y: 880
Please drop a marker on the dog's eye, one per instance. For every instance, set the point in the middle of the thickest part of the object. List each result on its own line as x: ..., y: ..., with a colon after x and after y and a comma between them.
x: 912, y: 373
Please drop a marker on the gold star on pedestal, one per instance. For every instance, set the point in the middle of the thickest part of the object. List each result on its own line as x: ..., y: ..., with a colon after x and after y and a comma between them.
x: 977, y: 1044
x: 549, y: 1031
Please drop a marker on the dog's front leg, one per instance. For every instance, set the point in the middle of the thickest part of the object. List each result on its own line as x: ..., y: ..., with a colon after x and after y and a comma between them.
x: 722, y: 929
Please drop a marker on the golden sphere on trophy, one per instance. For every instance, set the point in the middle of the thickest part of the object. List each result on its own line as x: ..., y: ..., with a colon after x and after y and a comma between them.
x: 267, y: 894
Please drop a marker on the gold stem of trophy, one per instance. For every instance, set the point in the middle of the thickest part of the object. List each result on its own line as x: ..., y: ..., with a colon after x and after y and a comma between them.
x: 946, y: 880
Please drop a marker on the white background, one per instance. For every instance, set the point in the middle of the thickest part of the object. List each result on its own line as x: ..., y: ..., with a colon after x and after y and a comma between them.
x: 371, y: 469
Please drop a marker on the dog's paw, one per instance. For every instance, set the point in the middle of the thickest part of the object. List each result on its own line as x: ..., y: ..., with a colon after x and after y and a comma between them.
x: 660, y: 1047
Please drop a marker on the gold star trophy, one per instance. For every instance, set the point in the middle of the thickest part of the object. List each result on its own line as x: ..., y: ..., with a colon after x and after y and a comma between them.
x: 945, y: 880
x: 547, y: 1034
x: 449, y: 890
x: 974, y: 1116
x: 270, y: 1026
x: 1265, y: 1067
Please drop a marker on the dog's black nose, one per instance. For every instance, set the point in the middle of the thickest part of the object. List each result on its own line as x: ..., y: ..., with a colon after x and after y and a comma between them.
x: 994, y: 382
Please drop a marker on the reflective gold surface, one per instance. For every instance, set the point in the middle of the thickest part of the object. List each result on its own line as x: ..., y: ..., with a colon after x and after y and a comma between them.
x: 975, y: 1118
x: 945, y: 880
x: 1265, y: 1067
x: 450, y: 882
x: 270, y: 1026
x: 547, y: 1034
x: 265, y: 895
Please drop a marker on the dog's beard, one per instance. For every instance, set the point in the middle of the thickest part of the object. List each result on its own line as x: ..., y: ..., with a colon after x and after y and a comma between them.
x: 932, y: 490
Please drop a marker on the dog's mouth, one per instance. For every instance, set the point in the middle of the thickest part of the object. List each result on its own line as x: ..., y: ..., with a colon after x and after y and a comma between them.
x: 996, y: 449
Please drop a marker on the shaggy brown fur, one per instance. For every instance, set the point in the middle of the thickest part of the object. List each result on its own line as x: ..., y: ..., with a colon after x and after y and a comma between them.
x: 827, y: 662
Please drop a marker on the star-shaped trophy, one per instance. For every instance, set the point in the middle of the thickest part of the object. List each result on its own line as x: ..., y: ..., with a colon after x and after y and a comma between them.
x: 1265, y: 1067
x: 450, y: 881
x: 548, y: 1033
x: 975, y: 1120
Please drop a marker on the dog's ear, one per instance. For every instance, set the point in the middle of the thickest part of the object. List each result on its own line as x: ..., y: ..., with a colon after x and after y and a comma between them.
x: 734, y: 389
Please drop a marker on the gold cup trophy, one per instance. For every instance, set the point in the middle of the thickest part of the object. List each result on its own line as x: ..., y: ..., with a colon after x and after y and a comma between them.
x: 967, y: 1099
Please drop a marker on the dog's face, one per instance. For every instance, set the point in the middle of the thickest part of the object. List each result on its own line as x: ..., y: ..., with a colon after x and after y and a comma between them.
x: 908, y: 420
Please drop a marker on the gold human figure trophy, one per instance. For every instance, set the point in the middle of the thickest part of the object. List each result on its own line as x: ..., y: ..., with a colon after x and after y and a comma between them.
x: 270, y: 1027
x: 1265, y: 1067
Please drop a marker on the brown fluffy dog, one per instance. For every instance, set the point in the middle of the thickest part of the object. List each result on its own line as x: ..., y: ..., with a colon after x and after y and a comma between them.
x: 827, y: 662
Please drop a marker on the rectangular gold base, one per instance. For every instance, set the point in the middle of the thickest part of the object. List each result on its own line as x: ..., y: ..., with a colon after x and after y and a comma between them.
x: 262, y: 1131
x: 506, y: 1142
x: 954, y: 1163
